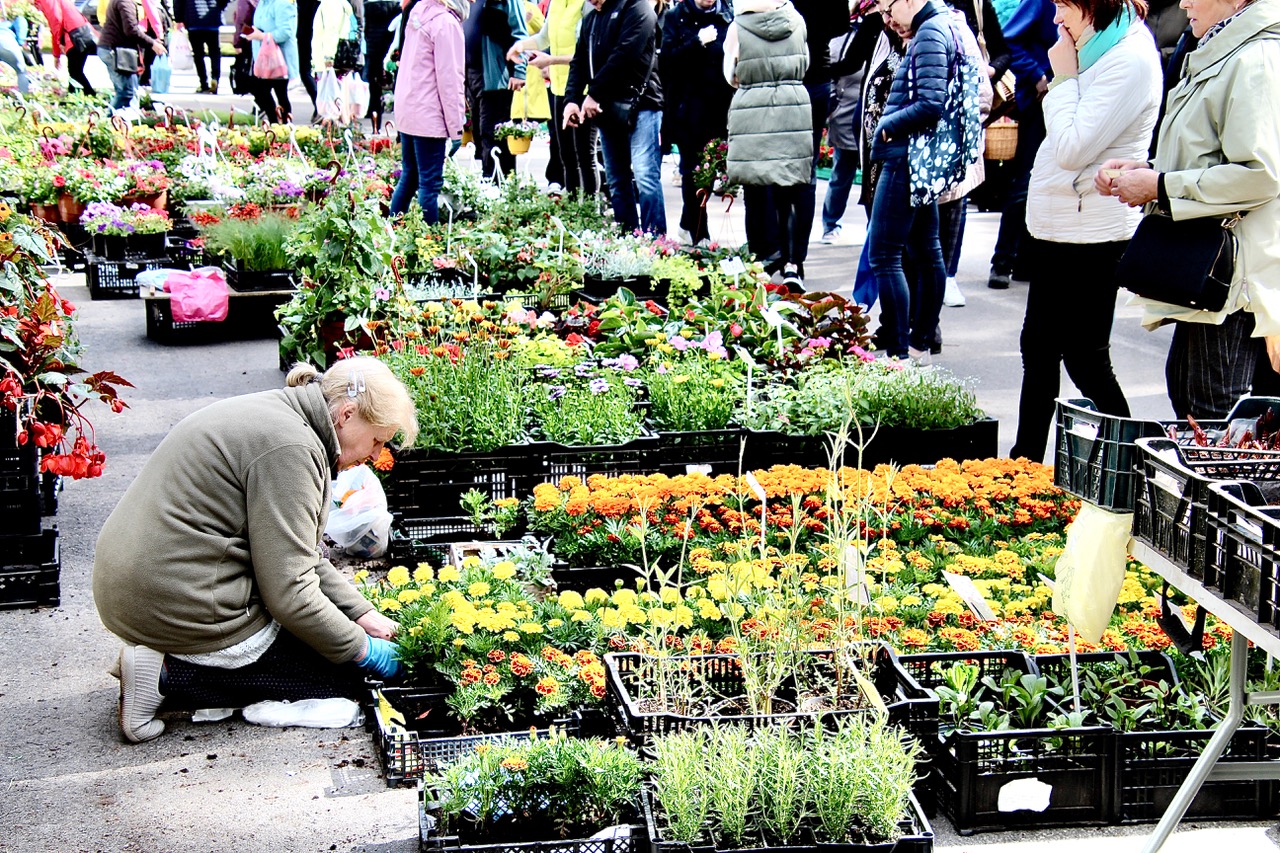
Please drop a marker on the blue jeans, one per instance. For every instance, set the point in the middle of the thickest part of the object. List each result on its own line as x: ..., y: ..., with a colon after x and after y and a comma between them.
x: 421, y: 172
x: 19, y: 67
x: 865, y: 291
x: 896, y: 225
x: 126, y: 84
x: 844, y: 168
x: 634, y: 163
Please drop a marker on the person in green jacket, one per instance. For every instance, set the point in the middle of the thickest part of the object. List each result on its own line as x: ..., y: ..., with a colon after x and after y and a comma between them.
x: 209, y: 568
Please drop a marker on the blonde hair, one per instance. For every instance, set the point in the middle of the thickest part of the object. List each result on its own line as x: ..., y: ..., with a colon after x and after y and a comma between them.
x: 381, y: 399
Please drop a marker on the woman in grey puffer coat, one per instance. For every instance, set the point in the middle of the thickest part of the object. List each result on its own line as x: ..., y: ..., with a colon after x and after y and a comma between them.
x: 770, y: 124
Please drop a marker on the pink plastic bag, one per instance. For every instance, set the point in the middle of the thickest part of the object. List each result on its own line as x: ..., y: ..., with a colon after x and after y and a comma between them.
x: 270, y: 63
x: 198, y: 296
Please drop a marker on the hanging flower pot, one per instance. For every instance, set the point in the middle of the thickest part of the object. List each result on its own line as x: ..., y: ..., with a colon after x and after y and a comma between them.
x: 467, y: 137
x: 518, y: 144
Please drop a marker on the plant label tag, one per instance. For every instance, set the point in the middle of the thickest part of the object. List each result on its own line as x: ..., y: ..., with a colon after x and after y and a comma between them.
x: 733, y: 266
x: 756, y: 488
x: 1029, y: 795
x: 698, y: 469
x: 1047, y: 581
x: 855, y: 576
x: 969, y: 594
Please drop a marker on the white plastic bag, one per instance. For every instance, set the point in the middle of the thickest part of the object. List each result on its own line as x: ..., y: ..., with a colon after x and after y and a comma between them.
x: 180, y: 56
x: 355, y: 98
x: 336, y: 713
x: 1090, y: 571
x: 329, y: 97
x: 359, y: 523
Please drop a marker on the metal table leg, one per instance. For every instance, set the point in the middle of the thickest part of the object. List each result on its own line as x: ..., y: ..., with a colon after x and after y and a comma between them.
x: 1200, y: 773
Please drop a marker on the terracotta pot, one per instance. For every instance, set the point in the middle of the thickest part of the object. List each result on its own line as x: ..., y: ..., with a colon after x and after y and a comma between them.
x: 47, y: 212
x: 69, y: 209
x: 160, y: 200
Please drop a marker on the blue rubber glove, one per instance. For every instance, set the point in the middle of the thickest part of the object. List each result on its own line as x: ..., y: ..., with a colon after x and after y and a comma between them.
x: 381, y: 658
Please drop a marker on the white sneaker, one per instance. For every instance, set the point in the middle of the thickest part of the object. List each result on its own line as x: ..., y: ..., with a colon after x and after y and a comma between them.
x: 831, y: 236
x: 555, y: 189
x: 921, y: 357
x: 677, y: 179
x: 683, y: 235
x: 140, y: 693
x: 953, y: 297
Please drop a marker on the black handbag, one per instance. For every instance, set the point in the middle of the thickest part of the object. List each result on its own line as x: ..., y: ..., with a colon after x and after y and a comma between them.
x: 347, y: 55
x: 1188, y: 262
x: 241, y: 74
x: 126, y: 60
x: 82, y: 39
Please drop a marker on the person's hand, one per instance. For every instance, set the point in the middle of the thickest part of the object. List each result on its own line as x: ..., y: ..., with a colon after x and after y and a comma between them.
x: 515, y: 84
x: 1063, y: 58
x: 255, y: 35
x: 180, y: 25
x: 707, y: 34
x: 160, y: 49
x: 590, y: 108
x: 540, y: 60
x: 1273, y: 351
x: 1042, y: 86
x: 513, y: 55
x: 59, y: 62
x: 381, y: 658
x: 1136, y: 187
x: 572, y: 116
x: 1109, y: 171
x: 377, y: 625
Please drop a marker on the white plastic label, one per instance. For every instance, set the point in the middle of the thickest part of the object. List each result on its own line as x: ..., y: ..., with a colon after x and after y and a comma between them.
x: 1024, y: 795
x: 963, y: 585
x: 756, y: 488
x: 733, y: 266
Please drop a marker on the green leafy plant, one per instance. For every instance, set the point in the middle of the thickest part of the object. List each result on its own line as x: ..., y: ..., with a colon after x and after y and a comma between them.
x: 693, y: 392
x: 258, y: 243
x: 584, y: 407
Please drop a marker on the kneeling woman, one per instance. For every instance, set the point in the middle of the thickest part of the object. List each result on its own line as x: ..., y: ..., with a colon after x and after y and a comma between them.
x: 1102, y: 104
x: 209, y: 568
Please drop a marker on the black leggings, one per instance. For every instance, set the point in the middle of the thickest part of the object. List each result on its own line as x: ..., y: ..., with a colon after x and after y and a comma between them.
x: 75, y: 68
x: 289, y: 670
x: 206, y: 42
x: 263, y: 92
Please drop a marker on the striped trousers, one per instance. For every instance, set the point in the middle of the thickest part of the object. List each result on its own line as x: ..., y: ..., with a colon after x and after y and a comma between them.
x: 1210, y: 367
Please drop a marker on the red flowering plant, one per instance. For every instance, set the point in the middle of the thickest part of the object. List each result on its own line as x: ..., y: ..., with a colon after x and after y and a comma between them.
x: 39, y: 378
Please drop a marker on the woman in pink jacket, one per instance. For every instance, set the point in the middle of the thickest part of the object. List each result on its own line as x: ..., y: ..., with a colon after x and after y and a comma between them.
x: 429, y: 100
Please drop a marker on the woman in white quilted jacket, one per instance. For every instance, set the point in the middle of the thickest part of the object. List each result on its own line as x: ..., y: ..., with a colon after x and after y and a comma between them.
x: 1102, y: 104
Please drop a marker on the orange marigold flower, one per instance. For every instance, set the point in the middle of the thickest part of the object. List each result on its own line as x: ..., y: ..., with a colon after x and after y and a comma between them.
x: 547, y: 686
x: 385, y: 461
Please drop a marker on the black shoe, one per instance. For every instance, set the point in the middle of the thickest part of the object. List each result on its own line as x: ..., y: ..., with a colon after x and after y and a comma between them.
x: 999, y: 281
x: 213, y: 88
x: 203, y: 90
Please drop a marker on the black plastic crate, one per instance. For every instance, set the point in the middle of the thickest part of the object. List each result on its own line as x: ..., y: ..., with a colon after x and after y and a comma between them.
x: 549, y: 461
x: 972, y: 768
x: 122, y: 247
x: 916, y: 835
x: 30, y: 570
x: 247, y: 317
x: 901, y: 445
x: 1243, y: 553
x: 909, y: 705
x: 250, y: 281
x: 766, y: 448
x: 425, y: 487
x: 20, y: 505
x: 712, y: 451
x: 1095, y: 453
x: 633, y: 840
x: 583, y: 578
x: 118, y: 279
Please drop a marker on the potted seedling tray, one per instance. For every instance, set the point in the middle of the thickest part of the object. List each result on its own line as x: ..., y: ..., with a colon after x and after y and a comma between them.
x: 992, y: 780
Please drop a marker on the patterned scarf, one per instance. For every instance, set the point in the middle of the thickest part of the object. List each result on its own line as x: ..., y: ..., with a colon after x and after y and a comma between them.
x: 1217, y: 28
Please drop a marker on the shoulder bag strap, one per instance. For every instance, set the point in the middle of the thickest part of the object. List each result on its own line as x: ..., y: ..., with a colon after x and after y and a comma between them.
x: 982, y: 40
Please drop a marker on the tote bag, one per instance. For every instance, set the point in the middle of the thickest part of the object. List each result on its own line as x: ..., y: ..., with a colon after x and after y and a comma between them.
x: 270, y: 63
x: 161, y: 72
x: 938, y: 158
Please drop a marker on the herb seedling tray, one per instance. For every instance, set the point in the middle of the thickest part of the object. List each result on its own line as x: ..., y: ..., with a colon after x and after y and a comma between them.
x: 908, y: 703
x: 972, y: 769
x: 916, y: 836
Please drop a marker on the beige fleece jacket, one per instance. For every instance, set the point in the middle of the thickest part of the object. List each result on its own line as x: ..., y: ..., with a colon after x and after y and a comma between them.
x: 220, y: 532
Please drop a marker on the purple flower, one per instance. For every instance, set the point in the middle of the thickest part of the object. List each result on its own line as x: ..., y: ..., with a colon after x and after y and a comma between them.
x: 599, y: 386
x: 661, y: 369
x: 627, y: 362
x: 679, y: 343
x: 582, y: 370
x: 549, y: 372
x: 381, y: 293
x: 633, y: 382
x: 555, y: 392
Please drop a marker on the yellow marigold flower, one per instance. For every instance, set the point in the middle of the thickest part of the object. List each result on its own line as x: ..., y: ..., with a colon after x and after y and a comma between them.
x: 660, y: 617
x: 610, y: 617
x: 624, y: 597
x: 530, y: 628
x: 515, y: 763
x: 717, y: 588
x: 736, y: 610
x: 415, y: 631
x: 361, y: 576
x: 398, y: 576
x: 596, y: 595
x: 448, y: 574
x: 504, y: 570
x: 470, y: 562
x: 511, y: 637
x: 948, y: 605
x: 581, y: 616
x: 408, y: 596
x: 388, y: 604
x: 911, y: 601
x: 571, y: 600
x: 554, y: 623
x: 424, y: 573
x: 683, y: 615
x: 459, y: 642
x: 478, y: 589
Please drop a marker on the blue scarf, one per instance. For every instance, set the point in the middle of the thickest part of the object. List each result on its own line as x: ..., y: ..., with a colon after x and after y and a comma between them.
x: 1100, y: 42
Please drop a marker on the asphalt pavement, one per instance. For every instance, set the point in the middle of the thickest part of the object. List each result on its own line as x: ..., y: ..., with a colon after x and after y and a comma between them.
x: 68, y: 782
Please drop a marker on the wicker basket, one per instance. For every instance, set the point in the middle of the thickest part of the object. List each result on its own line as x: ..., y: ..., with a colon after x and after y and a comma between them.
x: 1002, y: 140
